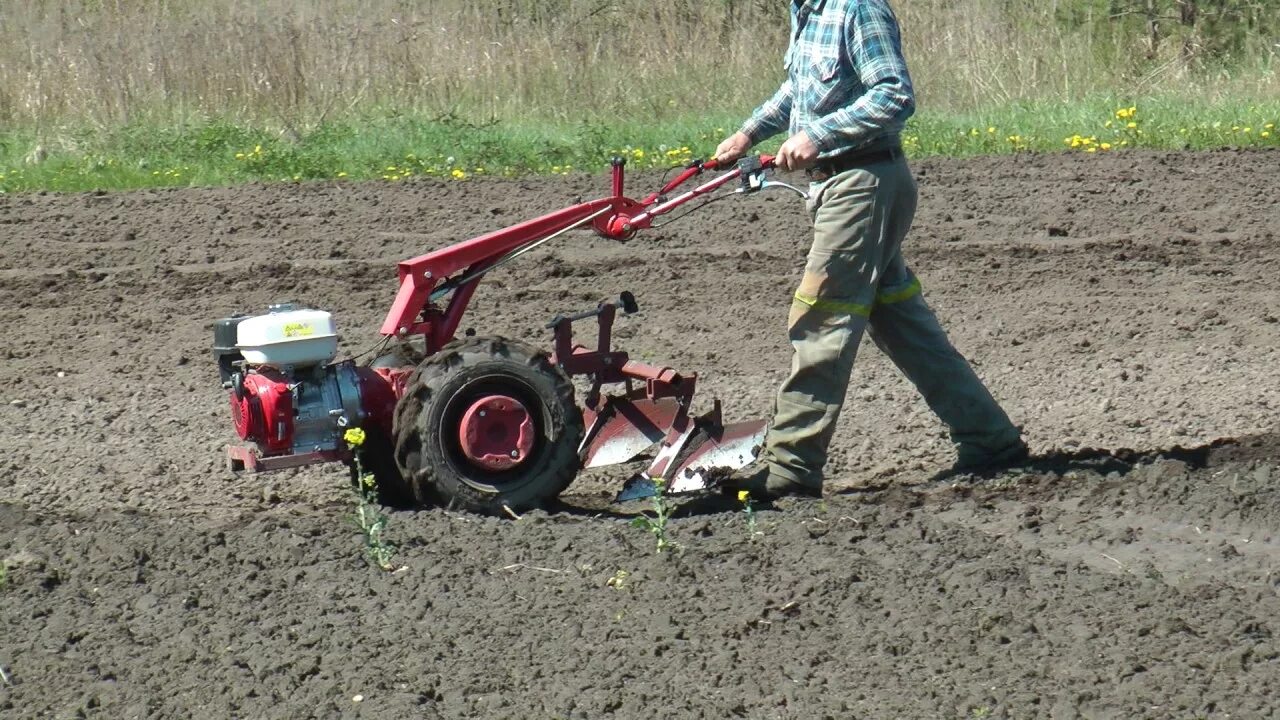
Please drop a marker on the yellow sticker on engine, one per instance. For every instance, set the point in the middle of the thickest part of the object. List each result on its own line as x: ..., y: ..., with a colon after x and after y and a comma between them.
x: 292, y: 330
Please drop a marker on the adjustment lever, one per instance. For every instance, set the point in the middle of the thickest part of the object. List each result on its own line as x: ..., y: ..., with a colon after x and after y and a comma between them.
x: 626, y: 302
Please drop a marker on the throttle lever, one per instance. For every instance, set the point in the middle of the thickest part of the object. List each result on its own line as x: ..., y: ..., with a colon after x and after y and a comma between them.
x: 753, y: 179
x: 750, y: 173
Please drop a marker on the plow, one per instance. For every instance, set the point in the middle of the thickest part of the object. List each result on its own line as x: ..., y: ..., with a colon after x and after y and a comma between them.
x: 484, y: 423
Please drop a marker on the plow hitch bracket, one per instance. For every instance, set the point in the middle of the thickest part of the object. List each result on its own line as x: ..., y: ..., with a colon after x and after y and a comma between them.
x: 654, y: 409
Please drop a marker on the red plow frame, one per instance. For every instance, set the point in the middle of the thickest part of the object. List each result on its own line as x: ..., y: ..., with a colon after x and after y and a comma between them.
x: 655, y: 407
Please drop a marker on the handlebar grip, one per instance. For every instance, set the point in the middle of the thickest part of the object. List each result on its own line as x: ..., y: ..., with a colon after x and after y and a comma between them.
x: 766, y: 162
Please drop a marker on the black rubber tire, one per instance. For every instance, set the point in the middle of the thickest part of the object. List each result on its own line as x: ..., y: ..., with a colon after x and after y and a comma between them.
x: 427, y: 452
x: 377, y: 456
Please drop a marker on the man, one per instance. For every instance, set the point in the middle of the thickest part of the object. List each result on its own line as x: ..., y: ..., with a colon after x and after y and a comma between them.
x: 844, y: 103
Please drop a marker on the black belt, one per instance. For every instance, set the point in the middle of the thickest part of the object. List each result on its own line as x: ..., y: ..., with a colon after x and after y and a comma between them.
x: 831, y: 167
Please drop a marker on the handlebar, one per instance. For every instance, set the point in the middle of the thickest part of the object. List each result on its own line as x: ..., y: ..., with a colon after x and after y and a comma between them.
x: 698, y: 167
x: 633, y: 215
x: 766, y: 162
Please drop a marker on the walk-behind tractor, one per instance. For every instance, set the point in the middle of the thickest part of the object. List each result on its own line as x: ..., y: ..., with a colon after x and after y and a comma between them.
x: 483, y: 423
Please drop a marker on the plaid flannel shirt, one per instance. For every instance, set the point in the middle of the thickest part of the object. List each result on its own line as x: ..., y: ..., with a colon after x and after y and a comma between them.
x: 847, y: 82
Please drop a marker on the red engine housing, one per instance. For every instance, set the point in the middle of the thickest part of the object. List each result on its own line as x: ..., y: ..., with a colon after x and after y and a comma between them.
x: 262, y: 411
x: 266, y: 411
x: 380, y: 390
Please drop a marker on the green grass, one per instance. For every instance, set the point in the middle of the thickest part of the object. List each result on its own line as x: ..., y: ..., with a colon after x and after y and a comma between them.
x: 393, y: 147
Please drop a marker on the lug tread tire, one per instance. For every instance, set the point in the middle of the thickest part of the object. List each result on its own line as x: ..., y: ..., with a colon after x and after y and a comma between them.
x: 424, y: 463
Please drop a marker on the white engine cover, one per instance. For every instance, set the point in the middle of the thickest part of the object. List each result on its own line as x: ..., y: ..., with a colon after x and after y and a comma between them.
x: 290, y: 337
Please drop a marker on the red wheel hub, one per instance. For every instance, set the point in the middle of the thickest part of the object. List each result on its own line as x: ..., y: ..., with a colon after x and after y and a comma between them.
x: 496, y: 432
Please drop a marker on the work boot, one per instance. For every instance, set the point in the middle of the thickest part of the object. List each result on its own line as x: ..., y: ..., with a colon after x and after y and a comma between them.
x: 976, y: 460
x: 766, y: 486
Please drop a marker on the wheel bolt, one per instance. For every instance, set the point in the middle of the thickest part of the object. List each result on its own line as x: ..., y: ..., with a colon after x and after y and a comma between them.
x: 515, y: 453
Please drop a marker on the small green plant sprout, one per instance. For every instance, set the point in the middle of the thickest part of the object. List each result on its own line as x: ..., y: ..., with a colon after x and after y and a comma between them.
x: 371, y: 521
x: 657, y: 524
x: 744, y: 497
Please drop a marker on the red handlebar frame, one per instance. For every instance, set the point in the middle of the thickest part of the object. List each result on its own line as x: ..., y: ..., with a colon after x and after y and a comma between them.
x: 458, y: 267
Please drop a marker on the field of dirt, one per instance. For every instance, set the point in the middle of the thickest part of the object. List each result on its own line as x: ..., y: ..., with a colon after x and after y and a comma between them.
x: 1124, y: 308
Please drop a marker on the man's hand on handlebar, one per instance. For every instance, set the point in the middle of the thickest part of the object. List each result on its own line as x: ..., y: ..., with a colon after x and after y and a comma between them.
x: 733, y: 147
x: 797, y: 153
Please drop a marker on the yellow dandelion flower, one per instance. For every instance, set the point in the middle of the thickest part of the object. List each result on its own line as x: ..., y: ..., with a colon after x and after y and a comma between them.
x: 458, y: 174
x: 354, y: 437
x: 743, y: 495
x: 1264, y: 134
x: 342, y: 174
x: 1091, y: 149
x: 1269, y: 126
x: 1132, y: 125
x: 1105, y: 146
x: 991, y: 131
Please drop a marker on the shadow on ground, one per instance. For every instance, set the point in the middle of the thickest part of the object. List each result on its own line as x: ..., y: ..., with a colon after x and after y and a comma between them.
x: 1098, y: 461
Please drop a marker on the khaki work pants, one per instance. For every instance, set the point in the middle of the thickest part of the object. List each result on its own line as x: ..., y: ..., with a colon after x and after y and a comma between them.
x: 856, y: 277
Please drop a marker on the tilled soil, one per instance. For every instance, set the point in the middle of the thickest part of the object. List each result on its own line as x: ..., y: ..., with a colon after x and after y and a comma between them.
x: 1122, y: 308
